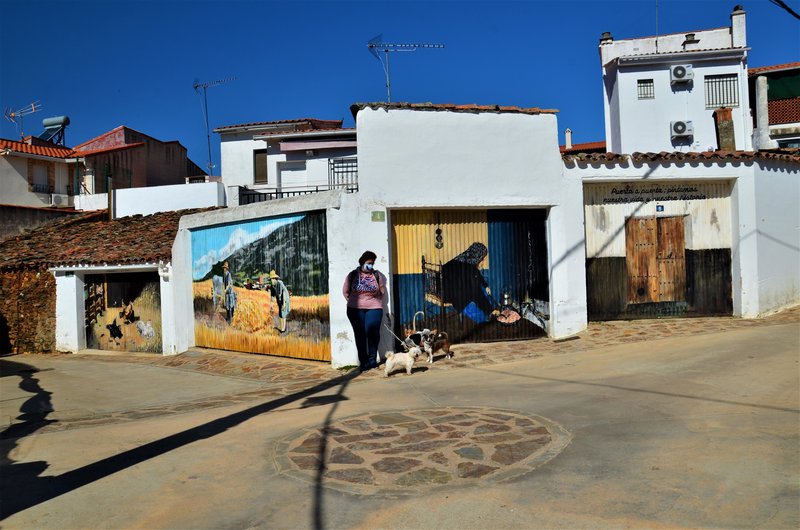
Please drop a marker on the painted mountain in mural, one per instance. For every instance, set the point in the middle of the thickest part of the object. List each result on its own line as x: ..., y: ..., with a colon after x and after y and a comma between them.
x: 297, y: 252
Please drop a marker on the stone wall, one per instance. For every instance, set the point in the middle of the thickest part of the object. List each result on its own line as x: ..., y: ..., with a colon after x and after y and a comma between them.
x: 27, y: 311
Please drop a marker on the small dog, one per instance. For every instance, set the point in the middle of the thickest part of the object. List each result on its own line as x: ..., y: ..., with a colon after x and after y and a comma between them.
x: 430, y: 342
x: 403, y: 359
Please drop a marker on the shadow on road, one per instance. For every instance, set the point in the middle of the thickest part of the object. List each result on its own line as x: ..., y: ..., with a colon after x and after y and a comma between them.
x: 22, y: 487
x: 643, y: 390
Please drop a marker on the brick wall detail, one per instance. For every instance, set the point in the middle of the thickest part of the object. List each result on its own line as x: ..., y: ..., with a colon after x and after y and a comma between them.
x: 27, y: 311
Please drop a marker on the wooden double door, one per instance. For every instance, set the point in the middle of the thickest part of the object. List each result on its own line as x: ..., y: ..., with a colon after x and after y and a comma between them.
x: 655, y: 257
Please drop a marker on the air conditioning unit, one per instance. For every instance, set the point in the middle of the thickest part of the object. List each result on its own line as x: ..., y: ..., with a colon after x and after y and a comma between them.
x: 680, y: 73
x: 681, y: 129
x: 60, y: 200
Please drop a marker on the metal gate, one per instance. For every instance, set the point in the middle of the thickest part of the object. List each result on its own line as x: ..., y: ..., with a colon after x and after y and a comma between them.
x: 479, y: 275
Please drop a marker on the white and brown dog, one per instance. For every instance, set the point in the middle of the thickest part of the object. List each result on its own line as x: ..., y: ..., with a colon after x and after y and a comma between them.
x: 403, y: 359
x: 430, y: 342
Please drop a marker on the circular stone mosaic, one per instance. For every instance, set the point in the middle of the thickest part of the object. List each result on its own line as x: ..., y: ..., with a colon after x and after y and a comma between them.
x: 406, y: 452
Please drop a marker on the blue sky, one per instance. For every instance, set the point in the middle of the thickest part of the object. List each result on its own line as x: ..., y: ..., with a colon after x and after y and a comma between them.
x: 133, y: 62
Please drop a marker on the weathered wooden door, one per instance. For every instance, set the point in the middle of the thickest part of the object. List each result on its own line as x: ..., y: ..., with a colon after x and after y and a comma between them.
x: 655, y: 259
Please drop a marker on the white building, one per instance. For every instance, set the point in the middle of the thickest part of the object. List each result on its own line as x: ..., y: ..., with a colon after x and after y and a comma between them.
x: 660, y: 93
x: 436, y: 181
x: 268, y: 160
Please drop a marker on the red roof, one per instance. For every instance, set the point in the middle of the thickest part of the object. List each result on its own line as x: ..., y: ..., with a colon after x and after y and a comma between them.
x: 313, y: 124
x: 106, y: 149
x: 588, y: 147
x: 789, y: 155
x: 773, y: 68
x: 354, y: 108
x: 54, y: 151
x: 91, y: 239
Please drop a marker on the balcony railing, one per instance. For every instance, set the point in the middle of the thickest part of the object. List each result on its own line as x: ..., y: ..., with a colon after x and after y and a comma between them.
x: 342, y: 175
x: 41, y: 188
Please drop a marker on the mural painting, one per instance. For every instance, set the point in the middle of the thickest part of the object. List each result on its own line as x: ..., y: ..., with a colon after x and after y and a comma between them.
x: 261, y: 286
x: 478, y: 275
x: 123, y: 312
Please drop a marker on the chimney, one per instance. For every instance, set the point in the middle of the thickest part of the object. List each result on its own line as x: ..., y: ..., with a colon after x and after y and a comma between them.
x: 606, y: 38
x: 723, y: 119
x: 568, y: 139
x: 761, y: 139
x: 738, y: 30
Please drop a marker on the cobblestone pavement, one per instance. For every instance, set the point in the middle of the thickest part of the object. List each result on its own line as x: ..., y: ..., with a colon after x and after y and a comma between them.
x: 283, y: 377
x: 406, y: 452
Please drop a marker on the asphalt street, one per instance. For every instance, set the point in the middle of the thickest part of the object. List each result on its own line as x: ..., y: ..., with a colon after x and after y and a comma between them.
x: 698, y: 430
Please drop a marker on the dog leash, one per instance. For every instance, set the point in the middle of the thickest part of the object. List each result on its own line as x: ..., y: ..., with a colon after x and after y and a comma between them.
x: 405, y: 346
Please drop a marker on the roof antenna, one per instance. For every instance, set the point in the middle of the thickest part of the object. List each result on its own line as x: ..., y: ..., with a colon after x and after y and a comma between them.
x: 376, y: 45
x: 656, y: 26
x: 15, y: 116
x: 204, y: 104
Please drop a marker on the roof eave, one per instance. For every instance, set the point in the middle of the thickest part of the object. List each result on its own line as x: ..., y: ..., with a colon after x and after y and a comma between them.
x: 700, y: 55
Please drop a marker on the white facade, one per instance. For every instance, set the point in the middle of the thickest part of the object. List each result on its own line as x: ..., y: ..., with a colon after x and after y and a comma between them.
x: 749, y: 206
x: 466, y: 160
x: 643, y: 98
x: 150, y: 200
x: 288, y: 168
x: 16, y: 190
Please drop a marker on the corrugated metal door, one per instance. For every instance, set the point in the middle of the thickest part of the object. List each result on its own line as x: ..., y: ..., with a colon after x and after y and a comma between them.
x: 479, y: 275
x: 655, y: 258
x: 671, y: 260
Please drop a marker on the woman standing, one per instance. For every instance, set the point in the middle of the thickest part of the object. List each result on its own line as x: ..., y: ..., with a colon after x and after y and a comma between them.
x: 365, y: 288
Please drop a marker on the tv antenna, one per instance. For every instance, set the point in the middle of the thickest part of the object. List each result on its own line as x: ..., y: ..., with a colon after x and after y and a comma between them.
x: 16, y: 116
x: 375, y: 45
x: 204, y: 104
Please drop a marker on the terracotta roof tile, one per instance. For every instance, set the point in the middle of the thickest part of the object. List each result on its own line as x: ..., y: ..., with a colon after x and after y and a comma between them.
x: 55, y: 151
x: 588, y: 147
x: 784, y: 111
x: 87, y: 152
x: 313, y: 124
x: 450, y: 107
x: 790, y: 155
x: 91, y: 239
x: 773, y: 68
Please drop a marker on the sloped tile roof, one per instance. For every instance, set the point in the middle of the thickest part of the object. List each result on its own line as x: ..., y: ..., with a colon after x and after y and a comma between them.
x: 588, y: 147
x: 21, y: 147
x: 472, y: 108
x: 790, y: 155
x: 773, y: 68
x: 89, y: 152
x: 313, y: 124
x: 93, y: 240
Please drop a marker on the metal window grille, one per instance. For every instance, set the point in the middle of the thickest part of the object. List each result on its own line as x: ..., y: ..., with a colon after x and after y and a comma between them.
x: 722, y: 91
x: 343, y: 173
x: 645, y: 89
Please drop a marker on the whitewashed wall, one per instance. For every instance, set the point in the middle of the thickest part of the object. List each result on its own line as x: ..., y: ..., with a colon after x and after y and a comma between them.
x: 764, y: 221
x: 777, y: 225
x: 236, y: 158
x: 644, y: 124
x: 14, y: 184
x: 479, y: 160
x: 149, y: 200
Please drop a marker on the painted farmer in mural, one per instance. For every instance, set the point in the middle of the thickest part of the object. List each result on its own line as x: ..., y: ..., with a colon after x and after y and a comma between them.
x: 365, y: 288
x: 230, y: 294
x: 280, y: 297
x: 464, y: 286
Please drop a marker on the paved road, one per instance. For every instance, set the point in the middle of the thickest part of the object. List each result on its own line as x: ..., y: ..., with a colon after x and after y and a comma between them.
x: 692, y: 431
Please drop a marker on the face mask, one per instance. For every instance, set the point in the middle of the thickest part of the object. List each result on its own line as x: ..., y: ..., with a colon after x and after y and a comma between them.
x: 367, y: 267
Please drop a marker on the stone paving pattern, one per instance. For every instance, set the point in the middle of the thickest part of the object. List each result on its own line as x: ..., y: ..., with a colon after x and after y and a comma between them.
x: 284, y: 377
x: 405, y: 452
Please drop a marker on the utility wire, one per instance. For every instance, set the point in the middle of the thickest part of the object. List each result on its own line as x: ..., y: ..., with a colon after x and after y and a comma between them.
x: 782, y: 4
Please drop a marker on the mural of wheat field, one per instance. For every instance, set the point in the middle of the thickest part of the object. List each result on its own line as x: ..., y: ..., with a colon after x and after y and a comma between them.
x: 261, y: 286
x: 253, y: 329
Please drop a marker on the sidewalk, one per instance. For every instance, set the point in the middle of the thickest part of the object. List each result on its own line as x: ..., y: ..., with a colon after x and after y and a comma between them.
x: 294, y: 374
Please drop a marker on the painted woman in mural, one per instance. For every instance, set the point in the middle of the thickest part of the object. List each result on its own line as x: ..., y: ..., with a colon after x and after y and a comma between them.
x: 464, y: 286
x: 280, y: 296
x: 230, y: 294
